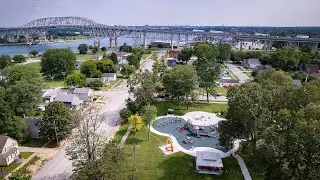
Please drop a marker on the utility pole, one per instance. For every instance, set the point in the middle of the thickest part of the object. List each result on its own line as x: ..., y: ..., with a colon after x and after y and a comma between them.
x: 134, y: 157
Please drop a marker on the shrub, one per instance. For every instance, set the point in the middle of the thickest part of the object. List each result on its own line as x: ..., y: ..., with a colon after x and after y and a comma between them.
x: 19, y: 58
x: 125, y: 113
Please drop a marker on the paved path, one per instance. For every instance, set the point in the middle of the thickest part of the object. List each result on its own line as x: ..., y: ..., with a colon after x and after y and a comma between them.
x: 125, y: 137
x: 237, y: 72
x: 243, y: 167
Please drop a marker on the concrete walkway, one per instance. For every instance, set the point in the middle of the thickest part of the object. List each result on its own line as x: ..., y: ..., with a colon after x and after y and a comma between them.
x: 243, y: 167
x: 125, y: 137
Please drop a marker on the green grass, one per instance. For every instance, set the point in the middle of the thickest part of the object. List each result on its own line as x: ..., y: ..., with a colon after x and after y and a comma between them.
x: 25, y: 155
x: 145, y: 56
x: 151, y: 163
x: 222, y: 90
x: 120, y: 133
x: 11, y: 167
x: 53, y: 84
x: 181, y: 108
x: 111, y: 84
x: 89, y: 55
x: 35, y: 65
x: 31, y: 162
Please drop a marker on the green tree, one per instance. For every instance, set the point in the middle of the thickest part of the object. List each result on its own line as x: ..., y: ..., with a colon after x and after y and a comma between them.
x: 145, y: 89
x: 5, y: 61
x: 57, y: 121
x: 95, y: 50
x: 83, y: 48
x: 205, y: 50
x: 127, y: 70
x: 34, y: 53
x: 313, y: 91
x: 114, y: 58
x: 57, y: 62
x: 20, y: 176
x: 185, y: 54
x: 19, y: 58
x: 134, y: 60
x: 106, y: 66
x: 25, y: 72
x: 224, y: 52
x: 89, y: 68
x: 125, y: 48
x: 149, y: 113
x: 135, y: 122
x: 208, y: 73
x: 76, y: 79
x: 180, y: 81
x: 155, y: 56
x: 103, y: 48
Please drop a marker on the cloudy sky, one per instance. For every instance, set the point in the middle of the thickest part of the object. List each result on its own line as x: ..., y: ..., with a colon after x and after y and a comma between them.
x: 167, y: 12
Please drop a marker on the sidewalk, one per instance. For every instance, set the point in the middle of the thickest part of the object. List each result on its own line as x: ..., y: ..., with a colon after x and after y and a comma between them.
x: 125, y: 137
x: 243, y: 167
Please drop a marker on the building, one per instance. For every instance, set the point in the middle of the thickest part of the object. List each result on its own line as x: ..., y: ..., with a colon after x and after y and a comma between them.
x: 48, y: 95
x: 160, y: 44
x: 33, y: 127
x: 78, y: 64
x: 84, y: 94
x: 303, y: 36
x: 251, y: 63
x: 109, y: 76
x: 9, y: 150
x: 173, y: 53
x: 209, y: 163
x: 171, y: 62
x: 70, y: 100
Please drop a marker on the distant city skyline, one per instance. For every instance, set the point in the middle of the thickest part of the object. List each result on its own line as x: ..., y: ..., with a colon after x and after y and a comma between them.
x: 167, y: 12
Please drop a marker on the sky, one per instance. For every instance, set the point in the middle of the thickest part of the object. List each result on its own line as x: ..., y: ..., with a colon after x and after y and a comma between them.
x: 167, y: 12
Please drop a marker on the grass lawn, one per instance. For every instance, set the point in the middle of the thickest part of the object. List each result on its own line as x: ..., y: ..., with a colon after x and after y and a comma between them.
x: 89, y: 55
x: 111, y: 84
x: 222, y: 90
x: 25, y: 155
x: 31, y: 162
x: 54, y: 83
x: 120, y: 133
x: 151, y: 163
x: 11, y: 167
x: 181, y: 108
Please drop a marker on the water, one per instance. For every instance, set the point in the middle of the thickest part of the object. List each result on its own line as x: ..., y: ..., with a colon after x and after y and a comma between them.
x: 25, y: 49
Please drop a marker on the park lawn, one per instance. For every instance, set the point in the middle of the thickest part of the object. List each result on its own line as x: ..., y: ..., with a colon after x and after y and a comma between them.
x: 181, y: 108
x: 53, y: 84
x: 25, y: 155
x: 222, y: 90
x: 151, y: 163
x: 120, y: 133
x: 11, y: 167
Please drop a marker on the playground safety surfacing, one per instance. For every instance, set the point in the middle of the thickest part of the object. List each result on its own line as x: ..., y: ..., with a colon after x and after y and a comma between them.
x: 188, y: 138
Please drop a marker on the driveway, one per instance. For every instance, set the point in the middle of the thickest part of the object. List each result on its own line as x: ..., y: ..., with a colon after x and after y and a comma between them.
x: 237, y: 72
x: 60, y: 167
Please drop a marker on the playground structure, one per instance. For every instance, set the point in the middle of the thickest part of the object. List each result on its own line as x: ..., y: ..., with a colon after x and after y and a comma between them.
x: 196, y: 131
x: 169, y: 142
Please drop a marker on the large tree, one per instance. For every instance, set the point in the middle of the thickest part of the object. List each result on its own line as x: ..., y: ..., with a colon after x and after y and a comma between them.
x: 134, y: 60
x: 114, y: 58
x: 57, y: 121
x: 127, y: 70
x: 23, y: 72
x: 89, y: 68
x: 34, y: 53
x: 224, y: 52
x: 83, y: 48
x: 76, y: 79
x: 180, y: 81
x: 206, y: 50
x: 58, y: 62
x: 149, y: 113
x: 185, y: 54
x: 106, y: 66
x: 208, y: 72
x: 144, y: 91
x: 5, y: 61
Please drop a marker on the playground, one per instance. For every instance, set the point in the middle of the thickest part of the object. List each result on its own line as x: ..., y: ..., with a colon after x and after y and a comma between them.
x: 193, y: 130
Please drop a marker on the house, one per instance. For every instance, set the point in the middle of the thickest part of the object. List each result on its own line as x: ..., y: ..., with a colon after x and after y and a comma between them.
x: 9, y: 150
x: 173, y: 53
x: 311, y: 68
x: 123, y: 62
x: 209, y: 162
x: 84, y: 94
x: 33, y: 127
x: 109, y: 76
x: 70, y: 100
x: 171, y: 62
x: 48, y: 95
x: 251, y: 63
x: 97, y: 58
x: 78, y: 64
x: 296, y: 82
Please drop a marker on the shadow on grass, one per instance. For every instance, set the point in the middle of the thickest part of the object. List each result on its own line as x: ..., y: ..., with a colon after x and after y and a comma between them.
x: 134, y: 141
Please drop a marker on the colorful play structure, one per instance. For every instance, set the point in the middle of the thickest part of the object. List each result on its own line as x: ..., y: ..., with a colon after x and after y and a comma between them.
x: 195, y: 130
x: 169, y: 144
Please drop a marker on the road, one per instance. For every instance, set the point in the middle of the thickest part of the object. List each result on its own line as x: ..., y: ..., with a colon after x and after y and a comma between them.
x: 60, y: 167
x: 237, y: 72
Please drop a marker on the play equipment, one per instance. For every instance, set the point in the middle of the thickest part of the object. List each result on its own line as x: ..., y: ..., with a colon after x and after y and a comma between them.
x: 170, y: 147
x: 195, y: 130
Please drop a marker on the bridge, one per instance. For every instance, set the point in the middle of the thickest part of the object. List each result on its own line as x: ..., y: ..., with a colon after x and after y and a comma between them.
x: 40, y: 28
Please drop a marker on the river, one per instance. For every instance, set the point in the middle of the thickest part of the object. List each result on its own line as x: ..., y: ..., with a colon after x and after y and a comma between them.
x: 25, y: 49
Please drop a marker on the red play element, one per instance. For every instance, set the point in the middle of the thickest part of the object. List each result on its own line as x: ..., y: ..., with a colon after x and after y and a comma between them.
x: 183, y: 128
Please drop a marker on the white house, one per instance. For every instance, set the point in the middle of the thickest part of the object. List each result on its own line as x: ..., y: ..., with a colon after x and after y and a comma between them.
x: 109, y: 76
x: 84, y: 94
x: 9, y: 150
x: 78, y: 64
x: 48, y: 95
x: 209, y: 163
x: 70, y: 100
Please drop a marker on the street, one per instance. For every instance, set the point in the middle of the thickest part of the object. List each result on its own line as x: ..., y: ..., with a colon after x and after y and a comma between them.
x: 237, y: 72
x: 60, y: 167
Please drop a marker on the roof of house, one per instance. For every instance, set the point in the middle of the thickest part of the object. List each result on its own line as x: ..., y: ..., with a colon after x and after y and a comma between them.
x: 109, y: 74
x: 68, y: 98
x: 81, y: 90
x: 171, y: 62
x: 3, y: 141
x: 210, y: 159
x: 251, y: 61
